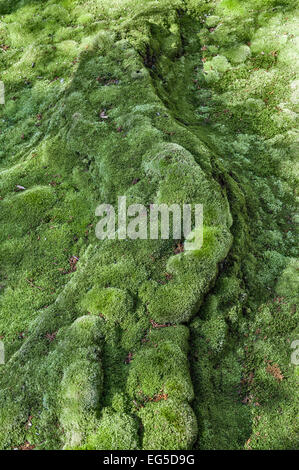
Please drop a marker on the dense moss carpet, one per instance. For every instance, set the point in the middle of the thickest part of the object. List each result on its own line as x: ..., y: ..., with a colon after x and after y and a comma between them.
x: 138, y: 344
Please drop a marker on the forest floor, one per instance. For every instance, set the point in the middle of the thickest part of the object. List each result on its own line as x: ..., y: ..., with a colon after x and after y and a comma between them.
x: 140, y: 344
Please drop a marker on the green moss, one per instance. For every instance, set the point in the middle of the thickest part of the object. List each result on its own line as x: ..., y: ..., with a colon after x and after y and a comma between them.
x: 168, y: 425
x: 181, y: 102
x: 288, y: 282
x: 86, y: 331
x: 118, y: 431
x: 161, y: 369
x: 178, y: 335
x: 114, y: 304
x: 35, y: 202
x: 238, y: 54
x: 80, y: 392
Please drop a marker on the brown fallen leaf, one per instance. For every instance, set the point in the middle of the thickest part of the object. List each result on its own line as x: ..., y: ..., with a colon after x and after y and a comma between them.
x: 275, y: 371
x: 30, y: 281
x: 168, y: 276
x: 247, y: 444
x: 179, y: 248
x: 51, y: 336
x: 129, y: 358
x: 29, y: 423
x: 158, y: 397
x: 26, y: 446
x: 158, y: 325
x: 73, y: 261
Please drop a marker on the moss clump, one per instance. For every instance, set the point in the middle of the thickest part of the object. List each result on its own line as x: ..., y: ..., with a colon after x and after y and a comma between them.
x: 36, y: 202
x: 82, y: 380
x: 160, y: 369
x: 168, y: 425
x: 114, y: 304
x: 80, y: 392
x: 238, y: 54
x: 117, y: 431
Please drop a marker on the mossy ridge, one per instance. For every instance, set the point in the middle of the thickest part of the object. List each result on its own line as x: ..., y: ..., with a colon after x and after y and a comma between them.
x: 245, y: 276
x: 75, y: 129
x: 216, y: 326
x: 177, y: 267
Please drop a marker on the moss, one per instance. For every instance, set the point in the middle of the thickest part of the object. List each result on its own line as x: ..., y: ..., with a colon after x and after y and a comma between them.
x: 114, y: 304
x: 288, y: 281
x: 214, y: 328
x: 161, y: 369
x: 82, y: 380
x: 36, y: 202
x: 86, y: 331
x: 184, y: 102
x: 80, y: 392
x: 118, y: 431
x: 212, y: 21
x: 178, y: 335
x: 238, y: 54
x: 168, y: 425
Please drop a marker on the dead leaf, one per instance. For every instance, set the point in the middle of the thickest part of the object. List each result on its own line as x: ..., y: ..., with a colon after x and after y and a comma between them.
x: 26, y: 446
x: 275, y: 371
x: 179, y: 248
x: 73, y: 261
x: 158, y: 325
x: 29, y: 423
x: 129, y: 358
x: 51, y: 336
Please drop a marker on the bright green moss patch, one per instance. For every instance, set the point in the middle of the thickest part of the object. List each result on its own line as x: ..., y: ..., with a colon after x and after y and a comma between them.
x: 160, y: 369
x: 168, y: 425
x: 112, y: 303
x: 35, y: 202
x: 117, y: 432
x: 80, y: 392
